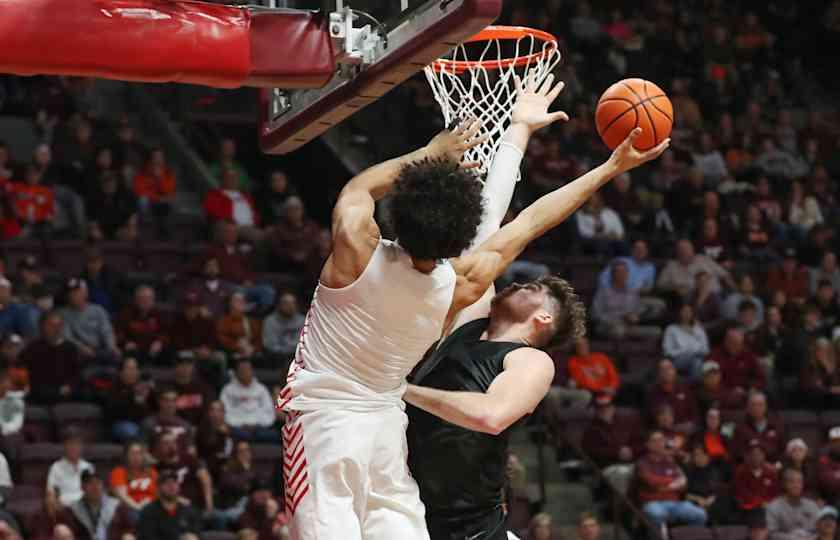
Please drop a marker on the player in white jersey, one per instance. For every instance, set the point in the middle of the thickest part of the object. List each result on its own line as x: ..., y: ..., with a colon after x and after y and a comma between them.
x: 378, y: 307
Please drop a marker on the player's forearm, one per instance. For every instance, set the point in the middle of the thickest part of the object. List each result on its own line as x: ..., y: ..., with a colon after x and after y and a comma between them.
x: 379, y: 179
x: 469, y: 410
x: 498, y: 188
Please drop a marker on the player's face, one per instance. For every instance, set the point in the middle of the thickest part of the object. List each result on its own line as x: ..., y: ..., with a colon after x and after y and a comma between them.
x: 519, y: 301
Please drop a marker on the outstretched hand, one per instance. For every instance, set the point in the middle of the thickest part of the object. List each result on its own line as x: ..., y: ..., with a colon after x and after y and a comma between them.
x: 453, y: 144
x: 533, y: 100
x: 626, y: 156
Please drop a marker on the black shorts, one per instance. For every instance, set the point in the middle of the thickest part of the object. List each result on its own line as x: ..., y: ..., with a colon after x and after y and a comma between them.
x: 485, y: 525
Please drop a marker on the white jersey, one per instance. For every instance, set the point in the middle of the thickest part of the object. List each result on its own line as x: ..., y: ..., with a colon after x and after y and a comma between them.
x: 361, y: 341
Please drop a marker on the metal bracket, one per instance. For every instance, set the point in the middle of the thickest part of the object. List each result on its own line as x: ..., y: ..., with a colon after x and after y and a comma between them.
x: 356, y: 46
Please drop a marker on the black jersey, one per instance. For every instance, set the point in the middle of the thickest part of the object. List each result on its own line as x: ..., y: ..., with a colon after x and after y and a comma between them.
x: 460, y: 472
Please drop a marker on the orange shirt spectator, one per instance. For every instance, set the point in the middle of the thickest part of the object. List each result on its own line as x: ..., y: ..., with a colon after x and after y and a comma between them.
x: 156, y: 182
x: 236, y: 332
x: 140, y: 488
x: 593, y: 371
x: 32, y: 201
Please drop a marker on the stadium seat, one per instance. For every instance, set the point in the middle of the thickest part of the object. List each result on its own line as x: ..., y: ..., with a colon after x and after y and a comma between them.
x: 628, y: 416
x: 104, y: 457
x: 37, y: 424
x: 218, y: 535
x: 734, y: 416
x: 87, y: 417
x: 13, y: 251
x: 803, y: 424
x: 120, y: 256
x: 35, y: 461
x: 573, y: 423
x: 691, y: 533
x: 269, y: 377
x: 161, y: 375
x: 266, y: 458
x: 65, y: 255
x: 28, y: 512
x: 161, y: 258
x: 26, y: 492
x: 732, y: 532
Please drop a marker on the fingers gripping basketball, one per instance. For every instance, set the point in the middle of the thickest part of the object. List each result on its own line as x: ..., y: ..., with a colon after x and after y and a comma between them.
x: 634, y: 103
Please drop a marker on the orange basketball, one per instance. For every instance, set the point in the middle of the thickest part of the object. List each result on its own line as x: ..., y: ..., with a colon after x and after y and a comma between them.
x: 630, y: 103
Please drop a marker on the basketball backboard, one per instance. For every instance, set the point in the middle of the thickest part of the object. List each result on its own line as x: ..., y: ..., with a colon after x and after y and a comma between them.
x: 389, y: 42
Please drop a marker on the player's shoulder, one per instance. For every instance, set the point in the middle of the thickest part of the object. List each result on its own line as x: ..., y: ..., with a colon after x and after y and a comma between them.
x: 529, y: 358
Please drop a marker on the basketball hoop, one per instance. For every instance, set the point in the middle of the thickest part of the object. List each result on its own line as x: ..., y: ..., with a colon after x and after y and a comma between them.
x: 478, y: 80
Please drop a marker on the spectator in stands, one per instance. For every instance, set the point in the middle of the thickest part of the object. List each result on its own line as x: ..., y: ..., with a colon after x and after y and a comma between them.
x: 230, y: 204
x: 797, y: 458
x: 194, y: 395
x: 618, y: 310
x: 771, y: 339
x: 803, y: 211
x: 11, y: 417
x: 272, y: 199
x: 6, y: 487
x: 668, y: 390
x: 193, y: 336
x: 827, y: 270
x: 747, y: 321
x: 826, y: 301
x: 249, y: 408
x: 102, y: 281
x: 745, y: 292
x: 610, y: 443
x: 30, y: 275
x: 91, y: 516
x: 166, y: 421
x: 62, y: 532
x: 54, y: 363
x: 685, y: 342
x: 820, y: 379
x: 641, y: 275
x: 168, y: 518
x: 10, y: 351
x: 827, y: 523
x: 759, y: 426
x: 588, y: 527
x: 128, y: 151
x: 238, y: 334
x: 227, y: 161
x: 710, y: 392
x: 706, y: 483
x: 290, y: 241
x: 600, y: 228
x: 9, y: 226
x: 116, y: 210
x: 34, y: 204
x: 792, y: 516
x: 281, y: 331
x: 141, y: 328
x: 235, y: 267
x: 64, y: 480
x: 706, y: 302
x: 679, y: 275
x: 661, y: 484
x: 828, y: 468
x: 14, y: 317
x: 128, y: 402
x: 541, y: 527
x: 261, y: 511
x: 755, y: 485
x: 739, y: 366
x: 135, y: 482
x: 213, y: 439
x: 155, y: 187
x: 593, y: 372
x: 715, y: 444
x: 191, y: 473
x: 88, y: 326
x: 236, y: 478
x: 213, y: 291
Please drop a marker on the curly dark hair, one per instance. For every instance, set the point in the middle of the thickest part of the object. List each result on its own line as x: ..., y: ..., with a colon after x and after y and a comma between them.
x: 436, y: 208
x: 569, y: 311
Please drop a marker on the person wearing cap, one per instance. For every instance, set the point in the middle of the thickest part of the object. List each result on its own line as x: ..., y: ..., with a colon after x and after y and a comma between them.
x: 668, y: 390
x: 685, y: 342
x: 193, y: 335
x: 746, y: 291
x: 755, y: 484
x: 14, y: 317
x: 91, y: 516
x: 29, y: 276
x: 261, y: 511
x: 739, y: 366
x: 790, y: 277
x: 141, y: 328
x: 827, y: 523
x: 792, y: 516
x: 167, y: 518
x: 828, y: 468
x: 88, y: 325
x: 759, y: 425
x: 827, y: 270
x: 610, y: 443
x: 64, y: 480
x: 709, y: 391
x: 797, y: 457
x: 54, y: 363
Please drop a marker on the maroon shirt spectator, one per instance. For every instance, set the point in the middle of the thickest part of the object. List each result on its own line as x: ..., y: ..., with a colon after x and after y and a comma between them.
x: 820, y: 378
x: 194, y: 395
x: 234, y: 265
x: 756, y: 234
x: 290, y: 241
x: 676, y: 442
x: 667, y: 390
x: 739, y: 366
x: 607, y: 441
x: 828, y: 468
x: 193, y: 330
x: 213, y: 439
x: 54, y: 364
x: 237, y: 476
x: 756, y: 482
x: 657, y: 474
x: 193, y: 476
x: 710, y: 391
x: 166, y: 421
x: 797, y: 457
x: 141, y: 328
x: 790, y: 278
x: 759, y: 426
x: 711, y: 243
x: 212, y: 291
x: 261, y: 511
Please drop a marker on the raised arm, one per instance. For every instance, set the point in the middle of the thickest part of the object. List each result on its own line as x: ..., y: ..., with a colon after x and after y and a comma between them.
x: 513, y: 394
x: 354, y: 231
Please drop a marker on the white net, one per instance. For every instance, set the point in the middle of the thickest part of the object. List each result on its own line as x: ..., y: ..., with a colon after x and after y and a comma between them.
x: 477, y: 81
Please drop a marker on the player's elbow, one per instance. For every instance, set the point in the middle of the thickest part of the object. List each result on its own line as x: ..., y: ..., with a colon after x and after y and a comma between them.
x: 493, y: 423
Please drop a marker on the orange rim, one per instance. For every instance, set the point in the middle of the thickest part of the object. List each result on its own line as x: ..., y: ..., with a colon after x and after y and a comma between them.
x: 502, y: 33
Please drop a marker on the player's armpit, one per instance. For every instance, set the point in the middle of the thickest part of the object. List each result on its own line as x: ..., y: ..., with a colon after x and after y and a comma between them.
x: 475, y: 273
x: 355, y: 236
x: 521, y: 386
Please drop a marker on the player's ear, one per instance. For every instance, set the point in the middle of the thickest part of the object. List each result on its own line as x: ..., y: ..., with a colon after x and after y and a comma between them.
x: 544, y: 317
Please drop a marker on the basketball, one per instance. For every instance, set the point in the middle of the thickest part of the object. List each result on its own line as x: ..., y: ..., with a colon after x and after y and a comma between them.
x: 631, y: 103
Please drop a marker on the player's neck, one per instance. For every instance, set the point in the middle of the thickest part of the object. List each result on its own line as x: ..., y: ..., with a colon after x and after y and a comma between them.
x: 425, y: 266
x: 513, y: 333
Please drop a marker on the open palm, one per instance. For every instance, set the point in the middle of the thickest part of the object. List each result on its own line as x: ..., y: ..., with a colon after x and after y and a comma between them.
x: 533, y: 100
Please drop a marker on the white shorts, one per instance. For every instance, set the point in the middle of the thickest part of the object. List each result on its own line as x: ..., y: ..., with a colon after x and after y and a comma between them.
x: 347, y: 477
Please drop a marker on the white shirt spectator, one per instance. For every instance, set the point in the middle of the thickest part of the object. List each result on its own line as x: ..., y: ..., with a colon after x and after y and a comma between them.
x: 11, y: 413
x: 611, y: 226
x: 243, y: 214
x: 248, y: 405
x: 66, y: 478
